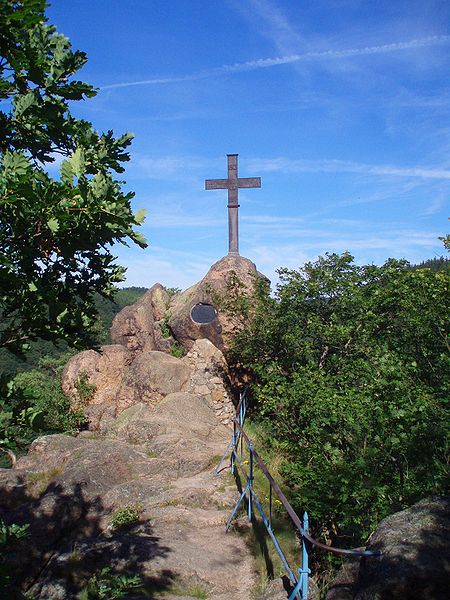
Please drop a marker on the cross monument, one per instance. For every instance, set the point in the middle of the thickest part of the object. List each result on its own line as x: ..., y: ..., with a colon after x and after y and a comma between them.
x: 232, y: 184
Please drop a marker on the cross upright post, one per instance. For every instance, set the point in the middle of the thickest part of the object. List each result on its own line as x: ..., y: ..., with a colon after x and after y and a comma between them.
x: 232, y: 184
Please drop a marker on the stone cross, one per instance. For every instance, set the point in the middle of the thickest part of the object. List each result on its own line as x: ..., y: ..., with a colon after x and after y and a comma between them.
x: 232, y: 184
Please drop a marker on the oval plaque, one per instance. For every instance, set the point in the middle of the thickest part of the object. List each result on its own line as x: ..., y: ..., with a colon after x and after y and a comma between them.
x: 203, y: 314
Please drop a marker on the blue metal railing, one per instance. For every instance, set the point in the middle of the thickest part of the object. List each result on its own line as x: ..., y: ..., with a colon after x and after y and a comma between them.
x: 239, y: 437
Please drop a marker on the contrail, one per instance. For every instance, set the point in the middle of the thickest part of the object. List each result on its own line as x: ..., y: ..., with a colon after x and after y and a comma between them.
x: 264, y: 63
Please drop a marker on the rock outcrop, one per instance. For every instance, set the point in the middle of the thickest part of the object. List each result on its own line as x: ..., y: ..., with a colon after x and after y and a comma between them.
x: 157, y: 427
x: 119, y: 380
x: 137, y: 327
x: 415, y: 560
x: 102, y: 370
x: 150, y: 377
x: 229, y: 272
x: 209, y: 378
x: 157, y: 463
x: 138, y: 366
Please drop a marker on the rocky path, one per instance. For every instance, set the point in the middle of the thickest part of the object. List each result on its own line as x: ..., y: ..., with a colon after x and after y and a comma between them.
x: 158, y: 464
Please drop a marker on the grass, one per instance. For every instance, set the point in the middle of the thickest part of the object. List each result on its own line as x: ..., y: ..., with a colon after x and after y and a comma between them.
x: 227, y: 481
x: 42, y: 479
x: 194, y: 591
x: 126, y: 516
x: 177, y: 350
x: 215, y: 461
x: 110, y: 585
x: 192, y: 587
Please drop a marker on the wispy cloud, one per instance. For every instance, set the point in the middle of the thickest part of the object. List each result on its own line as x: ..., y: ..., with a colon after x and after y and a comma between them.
x: 286, y: 165
x: 436, y: 204
x: 182, y: 167
x: 272, y: 23
x: 163, y: 167
x: 264, y: 63
x: 171, y: 268
x: 271, y: 219
x: 367, y: 245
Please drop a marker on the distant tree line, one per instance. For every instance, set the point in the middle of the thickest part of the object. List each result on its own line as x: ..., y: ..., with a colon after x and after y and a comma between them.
x: 441, y: 263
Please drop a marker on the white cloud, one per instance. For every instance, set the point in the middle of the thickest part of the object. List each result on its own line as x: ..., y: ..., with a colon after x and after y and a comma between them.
x: 164, y: 265
x: 336, y: 54
x: 173, y: 167
x: 271, y: 219
x: 287, y: 165
x: 435, y: 205
x: 271, y: 23
x: 366, y: 246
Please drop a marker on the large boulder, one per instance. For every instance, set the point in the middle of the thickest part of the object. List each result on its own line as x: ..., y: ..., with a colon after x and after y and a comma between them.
x: 154, y: 469
x: 230, y: 271
x: 150, y: 377
x: 69, y: 488
x: 136, y: 326
x: 118, y: 381
x: 415, y: 559
x: 102, y: 370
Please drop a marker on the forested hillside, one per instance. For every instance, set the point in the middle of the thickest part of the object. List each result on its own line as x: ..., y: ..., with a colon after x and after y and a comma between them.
x: 107, y: 308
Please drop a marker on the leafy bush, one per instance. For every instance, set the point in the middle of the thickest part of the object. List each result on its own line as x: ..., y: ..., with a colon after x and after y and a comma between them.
x: 34, y: 404
x: 8, y: 535
x: 108, y: 585
x: 70, y: 222
x: 349, y: 366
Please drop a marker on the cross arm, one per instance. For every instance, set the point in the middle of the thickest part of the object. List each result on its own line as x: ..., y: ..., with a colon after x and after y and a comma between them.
x: 217, y: 184
x: 249, y: 182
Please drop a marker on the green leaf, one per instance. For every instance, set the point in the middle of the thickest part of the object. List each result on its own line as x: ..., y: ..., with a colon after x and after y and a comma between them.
x: 139, y: 217
x: 53, y: 225
x: 139, y: 239
x: 15, y: 163
x: 62, y: 315
x: 32, y: 287
x: 24, y: 102
x: 66, y: 172
x: 77, y: 162
x: 100, y: 185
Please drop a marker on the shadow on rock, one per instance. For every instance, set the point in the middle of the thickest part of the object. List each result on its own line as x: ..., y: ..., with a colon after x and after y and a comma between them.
x: 415, y: 560
x: 67, y: 549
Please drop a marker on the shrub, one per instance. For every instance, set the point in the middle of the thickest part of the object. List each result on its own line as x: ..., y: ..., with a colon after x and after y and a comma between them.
x: 34, y: 404
x: 108, y: 585
x: 9, y: 534
x: 349, y: 367
x: 126, y: 516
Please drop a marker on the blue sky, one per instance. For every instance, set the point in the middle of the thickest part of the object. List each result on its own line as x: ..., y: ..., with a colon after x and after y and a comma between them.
x: 341, y: 107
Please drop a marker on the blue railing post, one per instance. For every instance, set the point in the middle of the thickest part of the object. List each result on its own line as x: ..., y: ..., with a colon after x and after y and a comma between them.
x: 250, y: 483
x: 233, y: 447
x: 305, y: 566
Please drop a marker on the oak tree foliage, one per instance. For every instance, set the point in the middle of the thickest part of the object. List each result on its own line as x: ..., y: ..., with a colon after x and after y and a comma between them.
x: 56, y: 233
